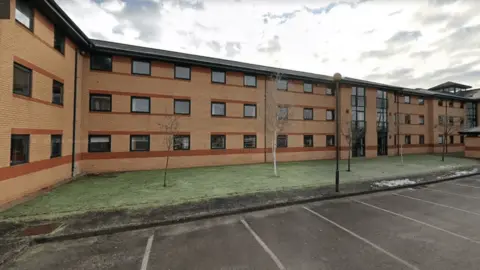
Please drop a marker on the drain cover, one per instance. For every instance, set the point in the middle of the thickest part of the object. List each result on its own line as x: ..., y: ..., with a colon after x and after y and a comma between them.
x: 40, y: 229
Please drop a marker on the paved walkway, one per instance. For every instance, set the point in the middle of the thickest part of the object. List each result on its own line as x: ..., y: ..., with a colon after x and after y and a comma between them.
x: 435, y: 227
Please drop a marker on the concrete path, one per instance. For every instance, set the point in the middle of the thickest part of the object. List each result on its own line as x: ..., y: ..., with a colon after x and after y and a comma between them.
x: 435, y: 227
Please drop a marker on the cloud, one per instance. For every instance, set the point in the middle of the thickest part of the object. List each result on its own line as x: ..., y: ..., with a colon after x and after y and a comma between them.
x: 422, y: 54
x: 404, y: 37
x: 233, y: 48
x: 272, y: 46
x: 214, y: 45
x: 395, y: 12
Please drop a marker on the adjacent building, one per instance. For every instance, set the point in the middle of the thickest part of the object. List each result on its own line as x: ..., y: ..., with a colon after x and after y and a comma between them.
x: 73, y: 105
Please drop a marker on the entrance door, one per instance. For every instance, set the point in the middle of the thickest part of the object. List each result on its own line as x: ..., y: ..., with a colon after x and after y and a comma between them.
x: 382, y: 144
x: 358, y: 147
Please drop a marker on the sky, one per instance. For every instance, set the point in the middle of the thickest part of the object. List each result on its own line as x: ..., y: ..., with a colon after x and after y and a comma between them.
x: 409, y: 43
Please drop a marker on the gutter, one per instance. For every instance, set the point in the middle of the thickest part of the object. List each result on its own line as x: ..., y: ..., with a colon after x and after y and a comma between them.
x: 74, y: 120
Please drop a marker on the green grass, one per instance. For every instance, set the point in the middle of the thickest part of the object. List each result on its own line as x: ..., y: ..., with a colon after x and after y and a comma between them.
x: 145, y: 188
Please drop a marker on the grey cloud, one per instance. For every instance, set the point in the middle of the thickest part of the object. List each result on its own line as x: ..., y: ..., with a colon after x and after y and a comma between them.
x: 422, y: 54
x: 429, y: 19
x: 396, y: 75
x: 377, y: 53
x: 369, y: 31
x: 325, y: 60
x: 462, y: 39
x: 192, y: 4
x: 118, y: 29
x: 284, y: 17
x: 97, y: 35
x: 395, y: 12
x: 404, y: 37
x: 441, y: 2
x: 233, y: 48
x: 272, y: 46
x: 214, y: 45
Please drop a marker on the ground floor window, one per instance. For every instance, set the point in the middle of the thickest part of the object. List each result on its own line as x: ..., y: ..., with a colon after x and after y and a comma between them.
x: 249, y: 141
x: 139, y: 143
x: 282, y: 141
x: 19, y: 149
x: 181, y: 142
x: 99, y: 143
x: 56, y: 141
x: 218, y: 141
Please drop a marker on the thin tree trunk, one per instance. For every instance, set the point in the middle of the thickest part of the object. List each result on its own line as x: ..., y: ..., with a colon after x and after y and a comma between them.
x: 349, y: 154
x: 443, y: 148
x: 401, y: 152
x: 274, y: 153
x: 165, y: 172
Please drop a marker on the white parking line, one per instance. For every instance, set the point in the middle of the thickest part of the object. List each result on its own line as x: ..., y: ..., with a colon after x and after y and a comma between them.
x: 452, y: 193
x: 146, y: 256
x: 439, y: 204
x: 462, y: 185
x: 264, y: 246
x: 362, y: 239
x: 420, y: 222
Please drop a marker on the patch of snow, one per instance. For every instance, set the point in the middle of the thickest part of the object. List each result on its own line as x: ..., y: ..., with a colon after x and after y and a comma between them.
x: 459, y: 173
x: 394, y: 183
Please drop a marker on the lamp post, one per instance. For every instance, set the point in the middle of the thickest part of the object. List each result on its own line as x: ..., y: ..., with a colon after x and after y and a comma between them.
x: 337, y: 78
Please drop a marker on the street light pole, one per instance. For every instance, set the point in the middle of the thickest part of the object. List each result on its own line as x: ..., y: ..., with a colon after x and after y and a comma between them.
x: 336, y: 78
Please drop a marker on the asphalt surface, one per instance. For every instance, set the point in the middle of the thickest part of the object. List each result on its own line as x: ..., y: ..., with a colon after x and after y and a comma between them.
x: 433, y: 227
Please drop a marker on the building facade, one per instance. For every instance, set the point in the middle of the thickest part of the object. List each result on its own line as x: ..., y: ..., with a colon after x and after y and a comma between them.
x: 72, y: 105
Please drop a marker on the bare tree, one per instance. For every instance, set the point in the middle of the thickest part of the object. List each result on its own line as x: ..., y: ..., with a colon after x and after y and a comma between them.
x: 168, y: 127
x: 394, y: 127
x: 448, y: 127
x: 346, y: 131
x: 276, y: 116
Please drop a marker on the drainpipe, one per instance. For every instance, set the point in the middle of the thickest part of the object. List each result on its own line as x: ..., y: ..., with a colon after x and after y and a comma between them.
x: 265, y: 122
x: 74, y: 127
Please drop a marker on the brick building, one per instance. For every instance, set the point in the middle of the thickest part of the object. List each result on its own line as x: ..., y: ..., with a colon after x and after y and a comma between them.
x: 74, y: 105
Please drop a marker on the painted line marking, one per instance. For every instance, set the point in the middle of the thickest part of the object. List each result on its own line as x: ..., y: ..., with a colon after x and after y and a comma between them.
x: 462, y: 185
x: 264, y: 246
x: 411, y: 266
x: 146, y: 256
x: 439, y: 204
x: 420, y: 222
x: 452, y: 193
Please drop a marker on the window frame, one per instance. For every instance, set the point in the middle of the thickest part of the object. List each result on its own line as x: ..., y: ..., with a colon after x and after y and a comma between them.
x: 32, y: 18
x: 30, y: 79
x: 332, y: 91
x: 138, y: 135
x: 140, y: 97
x: 249, y: 135
x: 57, y: 33
x: 462, y: 139
x: 182, y: 100
x: 304, y: 137
x: 250, y: 75
x: 90, y: 136
x: 440, y: 103
x: 104, y: 55
x: 422, y: 99
x: 224, y: 109
x: 27, y: 151
x: 143, y: 61
x: 442, y: 139
x: 218, y: 135
x: 182, y: 66
x: 421, y: 120
x: 286, y: 86
x: 326, y: 140
x: 451, y: 104
x: 421, y: 139
x: 311, y: 84
x: 451, y: 139
x: 61, y: 92
x: 51, y: 145
x: 308, y: 109
x: 224, y: 76
x: 405, y: 99
x: 409, y: 141
x: 91, y: 95
x: 333, y: 114
x: 249, y: 104
x: 408, y: 119
x: 181, y: 136
x: 286, y: 140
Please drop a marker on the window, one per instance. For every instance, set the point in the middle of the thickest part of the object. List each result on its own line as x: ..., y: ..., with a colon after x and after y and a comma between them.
x: 421, y: 139
x: 101, y: 62
x: 452, y: 139
x: 139, y: 143
x: 440, y: 103
x: 24, y: 13
x: 450, y: 120
x: 461, y: 105
x: 181, y: 106
x: 307, y: 87
x: 99, y: 143
x: 182, y: 72
x: 181, y: 142
x: 307, y: 114
x: 395, y: 98
x: 440, y: 139
x: 462, y: 121
x: 250, y: 80
x: 218, y: 76
x: 282, y: 85
x: 217, y: 141
x: 282, y: 141
x: 19, y: 149
x: 330, y: 140
x: 407, y: 99
x: 100, y: 103
x: 395, y: 140
x: 56, y: 143
x: 57, y: 93
x: 59, y: 41
x: 141, y: 67
x: 330, y: 115
x: 218, y: 109
x: 249, y: 141
x: 22, y: 80
x: 450, y: 104
x: 407, y: 118
x: 282, y: 113
x: 250, y: 110
x: 307, y: 140
x: 440, y: 119
x: 408, y: 139
x: 140, y: 104
x: 462, y: 139
x: 421, y: 120
x: 421, y: 101
x: 329, y: 92
x: 471, y: 114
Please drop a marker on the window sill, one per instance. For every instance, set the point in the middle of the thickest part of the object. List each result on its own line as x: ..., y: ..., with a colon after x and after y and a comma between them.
x: 52, y: 157
x: 140, y: 112
x: 183, y: 79
x: 17, y: 163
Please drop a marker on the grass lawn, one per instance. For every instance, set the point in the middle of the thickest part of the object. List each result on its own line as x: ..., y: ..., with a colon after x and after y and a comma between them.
x: 145, y: 188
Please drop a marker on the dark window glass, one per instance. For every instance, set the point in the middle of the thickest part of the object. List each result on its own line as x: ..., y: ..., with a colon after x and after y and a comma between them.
x: 407, y: 99
x: 250, y: 80
x: 307, y: 140
x: 250, y: 110
x: 24, y: 13
x: 421, y: 120
x: 440, y: 103
x: 217, y: 141
x: 408, y: 139
x: 282, y: 113
x: 407, y: 119
x: 99, y: 143
x: 181, y: 142
x: 139, y: 143
x: 452, y: 139
x: 450, y: 120
x: 308, y: 114
x: 22, y: 80
x: 249, y: 141
x: 59, y: 41
x: 181, y: 106
x: 330, y: 140
x: 331, y: 115
x: 307, y: 87
x: 100, y: 103
x: 56, y: 141
x: 57, y: 93
x: 462, y: 139
x: 182, y: 72
x: 282, y: 141
x: 440, y: 119
x: 218, y: 76
x: 19, y: 149
x: 421, y: 101
x: 282, y: 85
x: 421, y: 139
x: 450, y: 104
x: 440, y: 139
x: 140, y: 104
x: 218, y: 108
x: 141, y: 67
x: 101, y: 62
x: 461, y: 105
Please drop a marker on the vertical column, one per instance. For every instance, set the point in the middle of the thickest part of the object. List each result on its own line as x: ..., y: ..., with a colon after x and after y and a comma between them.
x: 371, y: 118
